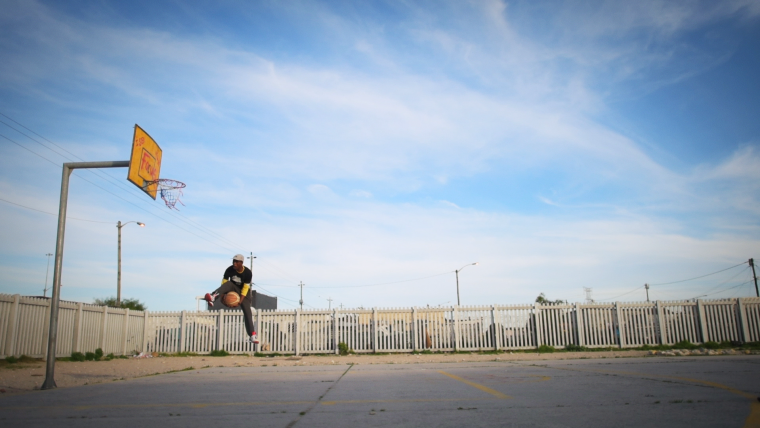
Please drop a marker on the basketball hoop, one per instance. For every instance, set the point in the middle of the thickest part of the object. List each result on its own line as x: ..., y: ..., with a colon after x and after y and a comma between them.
x: 170, y: 191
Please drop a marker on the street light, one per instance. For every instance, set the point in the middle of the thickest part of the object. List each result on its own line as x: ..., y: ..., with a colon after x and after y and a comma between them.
x: 118, y: 273
x: 457, y: 272
x: 44, y: 290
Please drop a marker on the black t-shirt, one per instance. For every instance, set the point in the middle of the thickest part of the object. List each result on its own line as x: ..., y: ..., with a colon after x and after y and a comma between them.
x: 236, y: 278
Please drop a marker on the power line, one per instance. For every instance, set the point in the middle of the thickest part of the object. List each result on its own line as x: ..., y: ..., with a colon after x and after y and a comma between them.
x: 386, y: 283
x: 690, y: 279
x: 727, y: 280
x: 624, y: 294
x: 730, y: 288
x: 113, y: 194
x: 129, y: 190
x: 45, y: 212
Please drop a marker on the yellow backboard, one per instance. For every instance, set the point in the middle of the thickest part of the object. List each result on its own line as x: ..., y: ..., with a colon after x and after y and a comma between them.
x: 145, y: 162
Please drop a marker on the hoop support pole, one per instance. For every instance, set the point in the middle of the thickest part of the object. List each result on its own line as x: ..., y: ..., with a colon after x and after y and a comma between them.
x: 55, y: 298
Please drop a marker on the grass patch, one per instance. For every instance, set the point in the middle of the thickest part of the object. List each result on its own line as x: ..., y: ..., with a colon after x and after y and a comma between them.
x: 545, y: 349
x: 273, y: 354
x: 179, y: 354
x: 575, y: 348
x: 186, y: 369
x: 219, y: 353
x: 343, y: 349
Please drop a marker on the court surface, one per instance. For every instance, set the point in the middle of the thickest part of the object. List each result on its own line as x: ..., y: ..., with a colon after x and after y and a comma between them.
x: 624, y: 392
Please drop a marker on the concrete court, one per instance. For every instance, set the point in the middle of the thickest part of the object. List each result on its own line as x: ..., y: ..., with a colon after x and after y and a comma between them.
x: 635, y: 392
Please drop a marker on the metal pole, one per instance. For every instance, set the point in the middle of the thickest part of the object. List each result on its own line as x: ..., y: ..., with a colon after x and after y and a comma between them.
x: 47, y: 271
x: 647, y: 287
x: 301, y: 301
x: 457, y: 272
x: 55, y: 299
x: 118, y: 269
x: 752, y: 265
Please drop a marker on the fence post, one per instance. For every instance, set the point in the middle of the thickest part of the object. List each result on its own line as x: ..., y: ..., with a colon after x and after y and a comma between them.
x: 661, y: 324
x: 702, y: 321
x: 103, y: 327
x: 537, y: 324
x: 456, y: 328
x: 258, y: 330
x: 496, y: 337
x: 579, y: 325
x: 620, y: 327
x: 126, y: 331
x: 146, y: 320
x: 219, y: 330
x: 335, y: 332
x: 414, y: 330
x: 181, y: 331
x: 10, y: 336
x: 374, y: 330
x: 76, y: 340
x: 297, y: 329
x: 742, y: 319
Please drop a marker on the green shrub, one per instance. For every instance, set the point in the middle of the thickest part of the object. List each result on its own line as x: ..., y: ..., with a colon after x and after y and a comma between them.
x: 711, y: 345
x: 545, y: 349
x: 89, y: 356
x: 10, y: 359
x: 98, y: 353
x: 343, y: 348
x: 219, y: 353
x: 575, y: 348
x: 77, y: 356
x: 685, y: 344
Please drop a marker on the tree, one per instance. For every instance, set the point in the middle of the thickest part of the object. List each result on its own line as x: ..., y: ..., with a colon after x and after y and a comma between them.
x: 132, y: 304
x: 544, y: 301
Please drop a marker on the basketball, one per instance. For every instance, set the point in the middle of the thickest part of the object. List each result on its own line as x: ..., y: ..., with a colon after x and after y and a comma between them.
x: 232, y: 299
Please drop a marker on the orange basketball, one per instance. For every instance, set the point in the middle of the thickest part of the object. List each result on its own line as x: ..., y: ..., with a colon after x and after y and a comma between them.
x: 232, y: 299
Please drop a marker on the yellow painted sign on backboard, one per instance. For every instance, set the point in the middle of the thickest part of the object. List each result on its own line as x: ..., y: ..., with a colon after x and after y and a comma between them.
x: 145, y: 162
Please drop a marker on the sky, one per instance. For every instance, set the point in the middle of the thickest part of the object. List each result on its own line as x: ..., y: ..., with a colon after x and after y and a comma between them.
x: 370, y: 150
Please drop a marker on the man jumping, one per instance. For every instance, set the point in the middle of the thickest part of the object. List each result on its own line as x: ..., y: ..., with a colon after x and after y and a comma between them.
x: 238, y: 278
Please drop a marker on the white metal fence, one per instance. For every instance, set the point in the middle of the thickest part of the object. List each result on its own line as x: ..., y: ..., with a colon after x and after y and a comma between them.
x: 24, y: 325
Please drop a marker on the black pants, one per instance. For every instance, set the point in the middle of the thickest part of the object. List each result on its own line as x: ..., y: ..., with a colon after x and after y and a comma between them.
x: 245, y: 304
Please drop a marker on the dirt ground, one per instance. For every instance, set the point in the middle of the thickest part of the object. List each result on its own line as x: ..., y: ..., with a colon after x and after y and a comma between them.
x: 26, y: 377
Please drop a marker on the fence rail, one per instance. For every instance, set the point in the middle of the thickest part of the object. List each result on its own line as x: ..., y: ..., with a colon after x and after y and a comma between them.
x: 82, y: 327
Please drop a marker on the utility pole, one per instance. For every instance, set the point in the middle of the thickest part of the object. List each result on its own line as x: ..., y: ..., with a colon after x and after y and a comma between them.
x: 588, y: 295
x: 752, y: 265
x: 252, y: 257
x: 647, y: 287
x: 44, y: 290
x: 301, y: 301
x: 329, y: 303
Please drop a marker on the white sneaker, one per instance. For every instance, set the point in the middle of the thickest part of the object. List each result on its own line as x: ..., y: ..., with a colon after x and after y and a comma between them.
x: 254, y: 339
x: 210, y: 298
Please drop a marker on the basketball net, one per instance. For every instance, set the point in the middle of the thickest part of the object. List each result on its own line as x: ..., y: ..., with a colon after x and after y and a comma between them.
x: 170, y: 191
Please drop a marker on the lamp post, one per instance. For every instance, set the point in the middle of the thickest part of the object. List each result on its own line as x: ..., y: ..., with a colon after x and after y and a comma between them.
x: 44, y: 290
x: 118, y: 272
x: 457, y: 272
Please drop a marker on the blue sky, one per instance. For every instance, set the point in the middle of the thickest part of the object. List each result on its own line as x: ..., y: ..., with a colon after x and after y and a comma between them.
x: 370, y: 149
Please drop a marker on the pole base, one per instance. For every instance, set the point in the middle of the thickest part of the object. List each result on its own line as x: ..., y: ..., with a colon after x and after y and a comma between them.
x: 49, y: 384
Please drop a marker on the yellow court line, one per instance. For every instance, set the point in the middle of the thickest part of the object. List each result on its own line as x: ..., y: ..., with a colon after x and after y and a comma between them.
x: 157, y: 405
x: 410, y: 400
x: 476, y: 385
x: 752, y: 421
